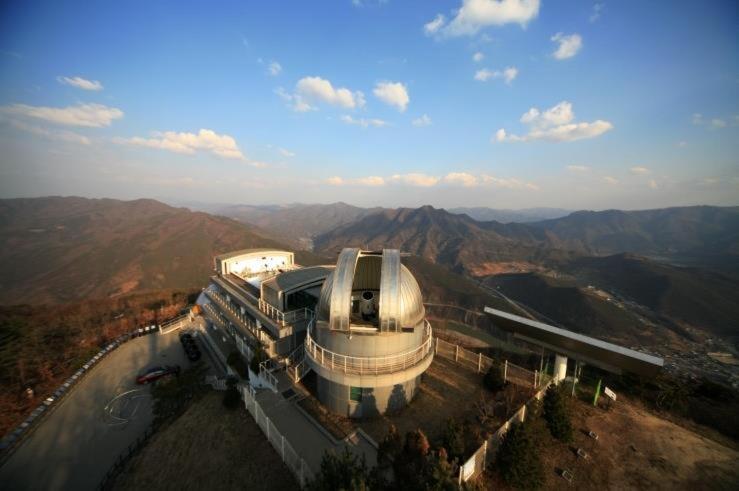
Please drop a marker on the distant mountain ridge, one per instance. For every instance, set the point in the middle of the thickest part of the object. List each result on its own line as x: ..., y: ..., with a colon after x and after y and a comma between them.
x: 63, y: 249
x: 460, y: 241
x: 526, y: 215
x: 296, y: 221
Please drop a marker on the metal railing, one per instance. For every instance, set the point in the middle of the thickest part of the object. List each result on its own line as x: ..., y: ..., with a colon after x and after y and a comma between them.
x: 242, y: 320
x: 369, y: 364
x: 285, y: 319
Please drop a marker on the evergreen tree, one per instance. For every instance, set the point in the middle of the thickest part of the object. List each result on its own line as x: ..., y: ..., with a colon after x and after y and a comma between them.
x: 441, y: 472
x: 390, y: 447
x: 518, y: 458
x: 342, y: 472
x: 453, y: 439
x: 557, y: 414
x: 493, y: 379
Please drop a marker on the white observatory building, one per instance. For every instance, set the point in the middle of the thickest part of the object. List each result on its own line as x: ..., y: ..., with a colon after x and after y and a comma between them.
x: 370, y: 341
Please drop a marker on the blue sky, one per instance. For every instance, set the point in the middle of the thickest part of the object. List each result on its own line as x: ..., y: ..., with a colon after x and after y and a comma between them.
x: 601, y: 104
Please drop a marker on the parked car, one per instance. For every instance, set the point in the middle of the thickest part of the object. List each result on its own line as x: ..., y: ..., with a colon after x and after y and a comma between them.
x: 191, y: 347
x: 155, y: 373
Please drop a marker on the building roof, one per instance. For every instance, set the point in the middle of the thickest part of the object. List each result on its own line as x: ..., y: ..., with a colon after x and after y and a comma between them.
x: 607, y: 356
x: 400, y: 300
x: 295, y: 278
x: 244, y: 252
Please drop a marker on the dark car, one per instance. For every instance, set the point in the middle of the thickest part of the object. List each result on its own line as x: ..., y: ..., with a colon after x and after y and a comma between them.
x: 155, y: 373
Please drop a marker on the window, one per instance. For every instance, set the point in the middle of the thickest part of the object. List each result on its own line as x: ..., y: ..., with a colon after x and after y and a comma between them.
x: 355, y: 394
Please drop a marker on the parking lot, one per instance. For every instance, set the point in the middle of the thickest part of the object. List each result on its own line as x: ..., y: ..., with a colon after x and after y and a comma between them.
x: 76, y: 444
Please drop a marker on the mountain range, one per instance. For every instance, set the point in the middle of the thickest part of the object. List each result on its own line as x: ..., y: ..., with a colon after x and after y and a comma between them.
x: 63, y: 249
x: 57, y: 250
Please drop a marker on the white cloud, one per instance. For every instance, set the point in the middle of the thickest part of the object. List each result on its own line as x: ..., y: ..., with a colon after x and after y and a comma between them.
x: 485, y: 74
x: 274, y: 68
x: 597, y: 10
x: 610, y: 180
x: 555, y: 124
x: 639, y: 170
x: 372, y: 181
x: 87, y: 115
x: 424, y: 120
x: 461, y: 178
x: 58, y: 135
x: 478, y: 57
x: 682, y: 144
x: 508, y: 183
x: 715, y: 123
x: 364, y: 123
x: 568, y: 46
x: 313, y: 90
x: 508, y: 74
x: 224, y: 146
x: 285, y: 152
x: 476, y: 14
x: 81, y: 83
x: 393, y: 94
x: 415, y: 179
x: 578, y: 168
x: 431, y: 28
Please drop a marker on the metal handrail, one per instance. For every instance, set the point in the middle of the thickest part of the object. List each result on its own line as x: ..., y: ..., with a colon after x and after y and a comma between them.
x: 369, y: 364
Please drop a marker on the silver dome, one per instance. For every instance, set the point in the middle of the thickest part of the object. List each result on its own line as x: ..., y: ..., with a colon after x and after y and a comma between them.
x: 400, y: 300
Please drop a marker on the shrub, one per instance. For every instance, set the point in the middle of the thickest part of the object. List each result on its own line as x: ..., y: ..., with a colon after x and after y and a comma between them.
x: 390, y: 447
x: 231, y: 398
x: 518, y: 458
x: 493, y: 379
x: 344, y: 471
x: 237, y: 362
x: 453, y: 439
x: 259, y: 356
x: 557, y: 414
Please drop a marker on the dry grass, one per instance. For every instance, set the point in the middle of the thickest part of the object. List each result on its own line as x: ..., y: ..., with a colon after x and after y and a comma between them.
x: 208, y: 447
x: 447, y: 390
x: 635, y: 450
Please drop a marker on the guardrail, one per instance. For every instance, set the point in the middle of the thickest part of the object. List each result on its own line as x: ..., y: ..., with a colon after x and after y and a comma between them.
x: 13, y: 439
x: 285, y: 319
x: 299, y: 468
x: 369, y: 364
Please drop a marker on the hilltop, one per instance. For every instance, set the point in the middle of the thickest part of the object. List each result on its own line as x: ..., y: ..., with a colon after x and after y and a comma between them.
x: 65, y: 249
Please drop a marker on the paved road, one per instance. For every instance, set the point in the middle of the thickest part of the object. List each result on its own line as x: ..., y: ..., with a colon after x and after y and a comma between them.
x: 77, y: 443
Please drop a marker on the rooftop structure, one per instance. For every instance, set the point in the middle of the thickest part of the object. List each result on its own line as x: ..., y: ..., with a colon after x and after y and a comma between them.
x: 263, y: 299
x: 370, y: 342
x: 607, y: 356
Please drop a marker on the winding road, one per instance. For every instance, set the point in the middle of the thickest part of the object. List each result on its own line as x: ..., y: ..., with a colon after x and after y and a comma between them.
x: 75, y: 445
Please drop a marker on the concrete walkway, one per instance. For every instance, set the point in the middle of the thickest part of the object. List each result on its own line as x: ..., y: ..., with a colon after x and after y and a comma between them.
x: 304, y: 434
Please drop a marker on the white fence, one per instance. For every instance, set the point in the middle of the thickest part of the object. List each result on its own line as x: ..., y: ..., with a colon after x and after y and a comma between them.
x: 475, y: 465
x: 294, y: 462
x: 481, y: 363
x: 175, y: 324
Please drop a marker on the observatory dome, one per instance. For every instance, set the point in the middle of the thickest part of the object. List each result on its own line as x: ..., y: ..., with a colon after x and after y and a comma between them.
x: 367, y: 278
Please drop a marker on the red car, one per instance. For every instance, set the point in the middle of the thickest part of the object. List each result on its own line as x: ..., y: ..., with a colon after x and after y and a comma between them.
x: 155, y: 373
